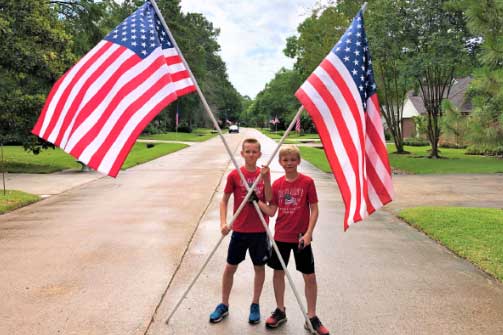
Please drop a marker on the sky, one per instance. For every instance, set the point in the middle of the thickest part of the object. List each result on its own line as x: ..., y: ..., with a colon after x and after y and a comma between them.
x: 252, y: 36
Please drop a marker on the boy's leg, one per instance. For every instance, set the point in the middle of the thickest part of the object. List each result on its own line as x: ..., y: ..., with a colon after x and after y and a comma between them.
x: 259, y: 254
x: 227, y: 281
x: 304, y: 262
x: 258, y: 283
x: 311, y: 291
x: 278, y: 282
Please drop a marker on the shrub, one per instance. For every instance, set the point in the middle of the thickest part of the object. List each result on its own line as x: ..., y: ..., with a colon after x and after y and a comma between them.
x: 485, y: 150
x: 415, y: 142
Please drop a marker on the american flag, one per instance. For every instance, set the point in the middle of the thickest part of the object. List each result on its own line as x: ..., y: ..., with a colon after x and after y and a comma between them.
x: 340, y: 95
x: 297, y: 124
x: 98, y: 108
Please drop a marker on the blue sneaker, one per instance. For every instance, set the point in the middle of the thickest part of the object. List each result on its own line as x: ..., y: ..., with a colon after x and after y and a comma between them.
x: 220, y: 312
x: 254, y: 314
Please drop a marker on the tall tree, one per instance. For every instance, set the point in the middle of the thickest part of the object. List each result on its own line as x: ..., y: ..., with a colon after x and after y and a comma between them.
x: 439, y: 37
x: 485, y: 19
x: 387, y: 41
x: 34, y: 52
x: 277, y: 98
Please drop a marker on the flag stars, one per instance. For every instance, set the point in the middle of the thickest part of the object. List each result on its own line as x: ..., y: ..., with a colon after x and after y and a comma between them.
x: 354, y: 72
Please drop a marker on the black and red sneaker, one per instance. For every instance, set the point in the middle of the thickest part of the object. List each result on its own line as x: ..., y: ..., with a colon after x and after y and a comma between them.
x: 318, y: 326
x: 276, y: 319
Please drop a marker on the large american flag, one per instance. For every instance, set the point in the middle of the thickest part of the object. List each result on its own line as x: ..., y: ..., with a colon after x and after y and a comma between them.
x: 99, y: 107
x: 340, y: 95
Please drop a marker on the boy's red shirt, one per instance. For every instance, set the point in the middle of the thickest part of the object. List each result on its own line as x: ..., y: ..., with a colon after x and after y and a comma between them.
x: 248, y: 220
x: 293, y: 199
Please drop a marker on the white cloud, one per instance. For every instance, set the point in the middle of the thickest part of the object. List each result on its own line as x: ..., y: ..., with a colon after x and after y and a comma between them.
x: 252, y: 36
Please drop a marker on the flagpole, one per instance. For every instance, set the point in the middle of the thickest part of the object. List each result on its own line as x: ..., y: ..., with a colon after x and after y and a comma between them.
x: 250, y: 189
x: 3, y: 170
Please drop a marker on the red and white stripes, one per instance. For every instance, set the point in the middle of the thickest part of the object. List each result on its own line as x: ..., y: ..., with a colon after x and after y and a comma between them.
x: 352, y: 137
x: 99, y: 107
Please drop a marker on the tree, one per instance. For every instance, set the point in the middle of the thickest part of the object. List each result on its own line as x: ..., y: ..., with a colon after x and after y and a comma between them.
x: 277, y: 98
x: 454, y: 123
x: 438, y: 52
x: 485, y: 19
x: 318, y: 34
x: 387, y: 40
x: 34, y: 52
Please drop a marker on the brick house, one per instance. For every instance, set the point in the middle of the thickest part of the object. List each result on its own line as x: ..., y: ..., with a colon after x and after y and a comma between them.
x: 414, y: 105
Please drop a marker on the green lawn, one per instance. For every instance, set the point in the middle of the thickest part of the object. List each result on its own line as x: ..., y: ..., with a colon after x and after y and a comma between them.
x: 473, y: 233
x: 47, y: 161
x: 15, y: 199
x: 316, y: 157
x: 417, y: 163
x: 292, y: 135
x: 197, y: 135
x: 141, y: 154
x: 454, y: 161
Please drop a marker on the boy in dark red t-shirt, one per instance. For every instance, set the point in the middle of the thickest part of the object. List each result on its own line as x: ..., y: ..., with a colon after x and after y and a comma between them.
x: 248, y: 231
x: 295, y: 198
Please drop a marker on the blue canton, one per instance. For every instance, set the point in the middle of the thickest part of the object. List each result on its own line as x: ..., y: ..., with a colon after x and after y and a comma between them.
x: 353, y: 50
x: 142, y: 32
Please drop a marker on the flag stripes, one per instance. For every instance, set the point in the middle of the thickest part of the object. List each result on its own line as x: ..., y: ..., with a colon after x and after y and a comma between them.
x: 341, y: 100
x: 98, y: 108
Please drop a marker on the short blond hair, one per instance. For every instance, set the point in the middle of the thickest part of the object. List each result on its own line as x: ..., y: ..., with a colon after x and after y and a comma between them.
x: 288, y: 149
x: 251, y: 141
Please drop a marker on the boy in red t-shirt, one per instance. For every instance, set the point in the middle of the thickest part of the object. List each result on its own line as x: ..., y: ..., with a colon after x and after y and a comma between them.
x: 248, y: 231
x: 295, y: 198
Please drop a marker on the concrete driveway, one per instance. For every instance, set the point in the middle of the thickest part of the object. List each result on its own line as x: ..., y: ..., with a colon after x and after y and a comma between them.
x: 113, y: 256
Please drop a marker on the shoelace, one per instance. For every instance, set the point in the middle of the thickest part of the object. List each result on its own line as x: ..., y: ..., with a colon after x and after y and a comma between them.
x: 277, y: 314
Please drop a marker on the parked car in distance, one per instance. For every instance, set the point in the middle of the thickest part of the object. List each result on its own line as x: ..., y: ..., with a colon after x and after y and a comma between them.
x: 233, y: 128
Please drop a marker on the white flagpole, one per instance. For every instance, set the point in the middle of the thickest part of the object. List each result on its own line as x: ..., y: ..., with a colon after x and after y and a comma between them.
x: 250, y: 189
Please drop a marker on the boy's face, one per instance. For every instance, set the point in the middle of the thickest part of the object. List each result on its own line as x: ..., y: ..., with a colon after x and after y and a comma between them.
x: 289, y: 162
x: 251, y: 153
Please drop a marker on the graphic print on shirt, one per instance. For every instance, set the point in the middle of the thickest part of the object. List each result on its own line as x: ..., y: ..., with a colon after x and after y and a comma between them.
x: 290, y: 199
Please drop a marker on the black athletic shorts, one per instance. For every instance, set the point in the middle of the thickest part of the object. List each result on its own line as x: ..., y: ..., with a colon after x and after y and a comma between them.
x: 257, y: 245
x: 304, y: 260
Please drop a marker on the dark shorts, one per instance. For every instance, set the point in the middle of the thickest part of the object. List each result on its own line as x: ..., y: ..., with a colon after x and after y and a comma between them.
x: 304, y: 260
x: 257, y: 245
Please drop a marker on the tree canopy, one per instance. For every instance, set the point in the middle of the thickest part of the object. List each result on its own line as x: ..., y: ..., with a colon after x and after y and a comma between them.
x: 43, y: 39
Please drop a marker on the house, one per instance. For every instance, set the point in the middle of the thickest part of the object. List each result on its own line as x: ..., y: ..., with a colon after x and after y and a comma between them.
x: 414, y: 105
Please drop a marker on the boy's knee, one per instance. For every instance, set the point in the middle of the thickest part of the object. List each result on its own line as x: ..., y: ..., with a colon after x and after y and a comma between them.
x: 259, y: 268
x: 310, y: 278
x: 279, y: 273
x: 230, y: 269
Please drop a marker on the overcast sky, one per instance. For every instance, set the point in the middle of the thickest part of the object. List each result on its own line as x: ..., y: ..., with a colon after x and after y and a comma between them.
x: 252, y: 36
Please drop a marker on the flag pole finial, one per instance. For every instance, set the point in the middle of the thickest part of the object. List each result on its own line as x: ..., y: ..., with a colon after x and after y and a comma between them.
x: 364, y: 7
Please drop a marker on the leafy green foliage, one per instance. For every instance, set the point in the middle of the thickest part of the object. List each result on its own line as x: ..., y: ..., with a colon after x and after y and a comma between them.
x: 34, y: 52
x: 276, y: 100
x: 486, y: 121
x: 42, y: 39
x: 453, y: 123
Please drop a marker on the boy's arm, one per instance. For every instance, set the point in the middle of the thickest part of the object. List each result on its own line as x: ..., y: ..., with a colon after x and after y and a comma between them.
x: 269, y: 210
x: 266, y: 177
x: 313, y: 218
x: 223, y: 214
